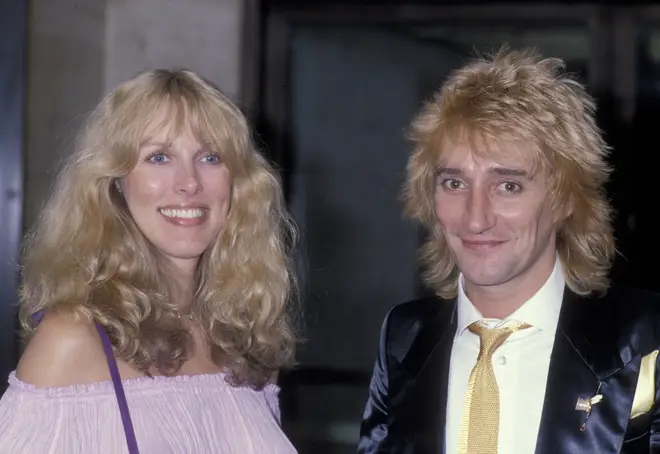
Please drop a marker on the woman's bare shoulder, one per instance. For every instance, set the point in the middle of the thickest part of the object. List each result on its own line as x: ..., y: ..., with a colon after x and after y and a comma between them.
x: 64, y: 350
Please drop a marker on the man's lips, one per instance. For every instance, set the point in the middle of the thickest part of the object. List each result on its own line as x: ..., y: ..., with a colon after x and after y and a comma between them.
x: 481, y: 245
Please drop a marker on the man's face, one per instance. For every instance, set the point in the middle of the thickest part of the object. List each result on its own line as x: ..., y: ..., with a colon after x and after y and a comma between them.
x: 496, y: 216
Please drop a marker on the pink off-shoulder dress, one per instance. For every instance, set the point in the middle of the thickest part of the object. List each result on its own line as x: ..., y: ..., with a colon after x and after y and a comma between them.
x: 200, y: 414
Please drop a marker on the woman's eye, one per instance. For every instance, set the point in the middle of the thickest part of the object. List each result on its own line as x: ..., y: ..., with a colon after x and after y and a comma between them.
x: 211, y: 159
x: 158, y: 158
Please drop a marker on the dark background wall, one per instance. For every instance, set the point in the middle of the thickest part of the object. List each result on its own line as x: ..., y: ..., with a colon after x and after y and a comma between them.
x: 13, y: 22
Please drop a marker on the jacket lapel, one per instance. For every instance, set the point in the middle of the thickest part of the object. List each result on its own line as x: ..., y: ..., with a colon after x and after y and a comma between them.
x: 586, y: 360
x: 422, y: 418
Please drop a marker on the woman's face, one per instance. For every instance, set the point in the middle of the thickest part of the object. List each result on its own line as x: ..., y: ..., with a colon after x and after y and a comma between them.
x: 178, y: 194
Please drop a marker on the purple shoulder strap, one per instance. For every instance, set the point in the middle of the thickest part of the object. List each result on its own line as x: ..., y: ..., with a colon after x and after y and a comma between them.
x: 131, y: 441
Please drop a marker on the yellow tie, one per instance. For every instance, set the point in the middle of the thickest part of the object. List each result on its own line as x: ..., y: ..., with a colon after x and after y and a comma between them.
x: 481, y: 409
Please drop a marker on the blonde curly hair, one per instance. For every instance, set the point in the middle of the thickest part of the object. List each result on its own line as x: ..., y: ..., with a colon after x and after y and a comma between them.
x: 518, y: 96
x: 86, y: 254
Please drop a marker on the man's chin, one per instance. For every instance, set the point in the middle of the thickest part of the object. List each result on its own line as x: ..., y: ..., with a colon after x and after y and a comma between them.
x: 485, y: 279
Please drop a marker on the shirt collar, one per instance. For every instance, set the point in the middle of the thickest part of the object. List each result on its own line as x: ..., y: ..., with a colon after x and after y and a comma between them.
x: 540, y: 311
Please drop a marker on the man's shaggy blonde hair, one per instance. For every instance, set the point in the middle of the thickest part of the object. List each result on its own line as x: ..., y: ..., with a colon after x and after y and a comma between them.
x: 518, y: 96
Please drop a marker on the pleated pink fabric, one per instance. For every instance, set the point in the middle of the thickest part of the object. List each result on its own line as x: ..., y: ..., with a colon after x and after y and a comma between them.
x: 172, y: 415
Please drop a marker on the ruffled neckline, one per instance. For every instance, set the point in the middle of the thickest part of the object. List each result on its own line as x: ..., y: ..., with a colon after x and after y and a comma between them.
x: 138, y: 384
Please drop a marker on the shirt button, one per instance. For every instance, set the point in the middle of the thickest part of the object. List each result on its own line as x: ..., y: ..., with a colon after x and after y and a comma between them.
x: 502, y: 360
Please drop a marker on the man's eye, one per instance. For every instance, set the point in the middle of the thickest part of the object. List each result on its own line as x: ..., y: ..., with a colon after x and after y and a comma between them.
x: 452, y: 184
x: 511, y: 187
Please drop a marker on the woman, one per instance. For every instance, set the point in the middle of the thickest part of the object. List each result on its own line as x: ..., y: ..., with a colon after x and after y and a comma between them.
x: 157, y: 285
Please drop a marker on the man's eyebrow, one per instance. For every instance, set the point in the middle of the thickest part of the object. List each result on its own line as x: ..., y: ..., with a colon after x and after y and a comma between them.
x: 448, y: 171
x: 504, y: 171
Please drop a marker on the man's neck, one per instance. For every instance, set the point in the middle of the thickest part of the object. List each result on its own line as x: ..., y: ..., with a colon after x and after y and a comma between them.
x: 497, y: 303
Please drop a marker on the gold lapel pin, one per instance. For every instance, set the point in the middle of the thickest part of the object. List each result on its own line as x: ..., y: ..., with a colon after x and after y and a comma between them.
x: 586, y: 405
x: 583, y: 404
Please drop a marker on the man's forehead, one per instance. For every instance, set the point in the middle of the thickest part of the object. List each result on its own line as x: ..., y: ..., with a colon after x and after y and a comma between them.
x: 488, y: 154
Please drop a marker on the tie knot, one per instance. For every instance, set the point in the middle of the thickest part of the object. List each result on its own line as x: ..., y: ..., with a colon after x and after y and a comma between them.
x: 493, y: 338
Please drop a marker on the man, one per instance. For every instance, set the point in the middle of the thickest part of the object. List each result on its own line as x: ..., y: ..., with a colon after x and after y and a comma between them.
x: 526, y: 348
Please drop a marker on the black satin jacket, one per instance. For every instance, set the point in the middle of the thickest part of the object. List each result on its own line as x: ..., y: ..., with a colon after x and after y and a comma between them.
x: 600, y: 342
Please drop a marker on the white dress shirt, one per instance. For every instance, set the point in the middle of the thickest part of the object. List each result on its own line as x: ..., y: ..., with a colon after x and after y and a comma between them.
x: 521, y: 366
